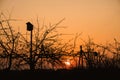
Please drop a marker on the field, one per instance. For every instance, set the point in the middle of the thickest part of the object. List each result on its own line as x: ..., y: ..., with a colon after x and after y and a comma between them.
x: 74, y: 74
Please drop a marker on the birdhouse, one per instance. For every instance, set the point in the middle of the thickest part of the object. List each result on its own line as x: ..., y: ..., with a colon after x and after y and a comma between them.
x: 29, y: 26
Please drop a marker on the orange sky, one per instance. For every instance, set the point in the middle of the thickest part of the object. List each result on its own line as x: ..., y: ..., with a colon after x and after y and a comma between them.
x: 100, y: 19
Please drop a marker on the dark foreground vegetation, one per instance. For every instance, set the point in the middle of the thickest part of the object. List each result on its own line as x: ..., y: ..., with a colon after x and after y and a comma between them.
x: 62, y: 74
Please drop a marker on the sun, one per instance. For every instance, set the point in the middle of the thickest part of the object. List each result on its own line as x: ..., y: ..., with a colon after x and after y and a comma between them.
x: 67, y: 63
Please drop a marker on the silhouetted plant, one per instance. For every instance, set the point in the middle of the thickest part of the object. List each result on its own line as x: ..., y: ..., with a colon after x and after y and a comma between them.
x: 48, y: 51
x: 8, y: 39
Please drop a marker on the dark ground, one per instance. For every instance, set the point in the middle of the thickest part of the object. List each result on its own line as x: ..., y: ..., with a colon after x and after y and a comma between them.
x: 75, y: 74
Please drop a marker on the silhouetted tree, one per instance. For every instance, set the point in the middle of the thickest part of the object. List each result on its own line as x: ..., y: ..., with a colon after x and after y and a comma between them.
x: 8, y: 39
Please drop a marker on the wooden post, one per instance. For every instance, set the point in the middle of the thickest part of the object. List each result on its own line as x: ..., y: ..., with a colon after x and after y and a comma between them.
x: 80, y: 55
x: 30, y: 28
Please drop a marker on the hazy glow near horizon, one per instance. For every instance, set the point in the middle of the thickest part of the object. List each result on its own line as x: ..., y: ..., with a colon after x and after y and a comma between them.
x: 99, y: 19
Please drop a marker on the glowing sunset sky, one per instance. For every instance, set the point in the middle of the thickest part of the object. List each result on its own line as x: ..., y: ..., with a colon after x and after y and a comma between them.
x: 99, y: 19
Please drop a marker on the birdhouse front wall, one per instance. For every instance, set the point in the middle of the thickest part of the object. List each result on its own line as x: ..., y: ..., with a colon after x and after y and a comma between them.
x: 29, y: 28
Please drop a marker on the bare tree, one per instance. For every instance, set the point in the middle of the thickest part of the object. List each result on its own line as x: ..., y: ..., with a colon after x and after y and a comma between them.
x: 8, y: 39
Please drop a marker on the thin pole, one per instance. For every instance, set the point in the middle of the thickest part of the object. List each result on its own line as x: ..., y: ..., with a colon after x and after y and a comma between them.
x: 81, y: 55
x: 31, y: 61
x: 79, y: 62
